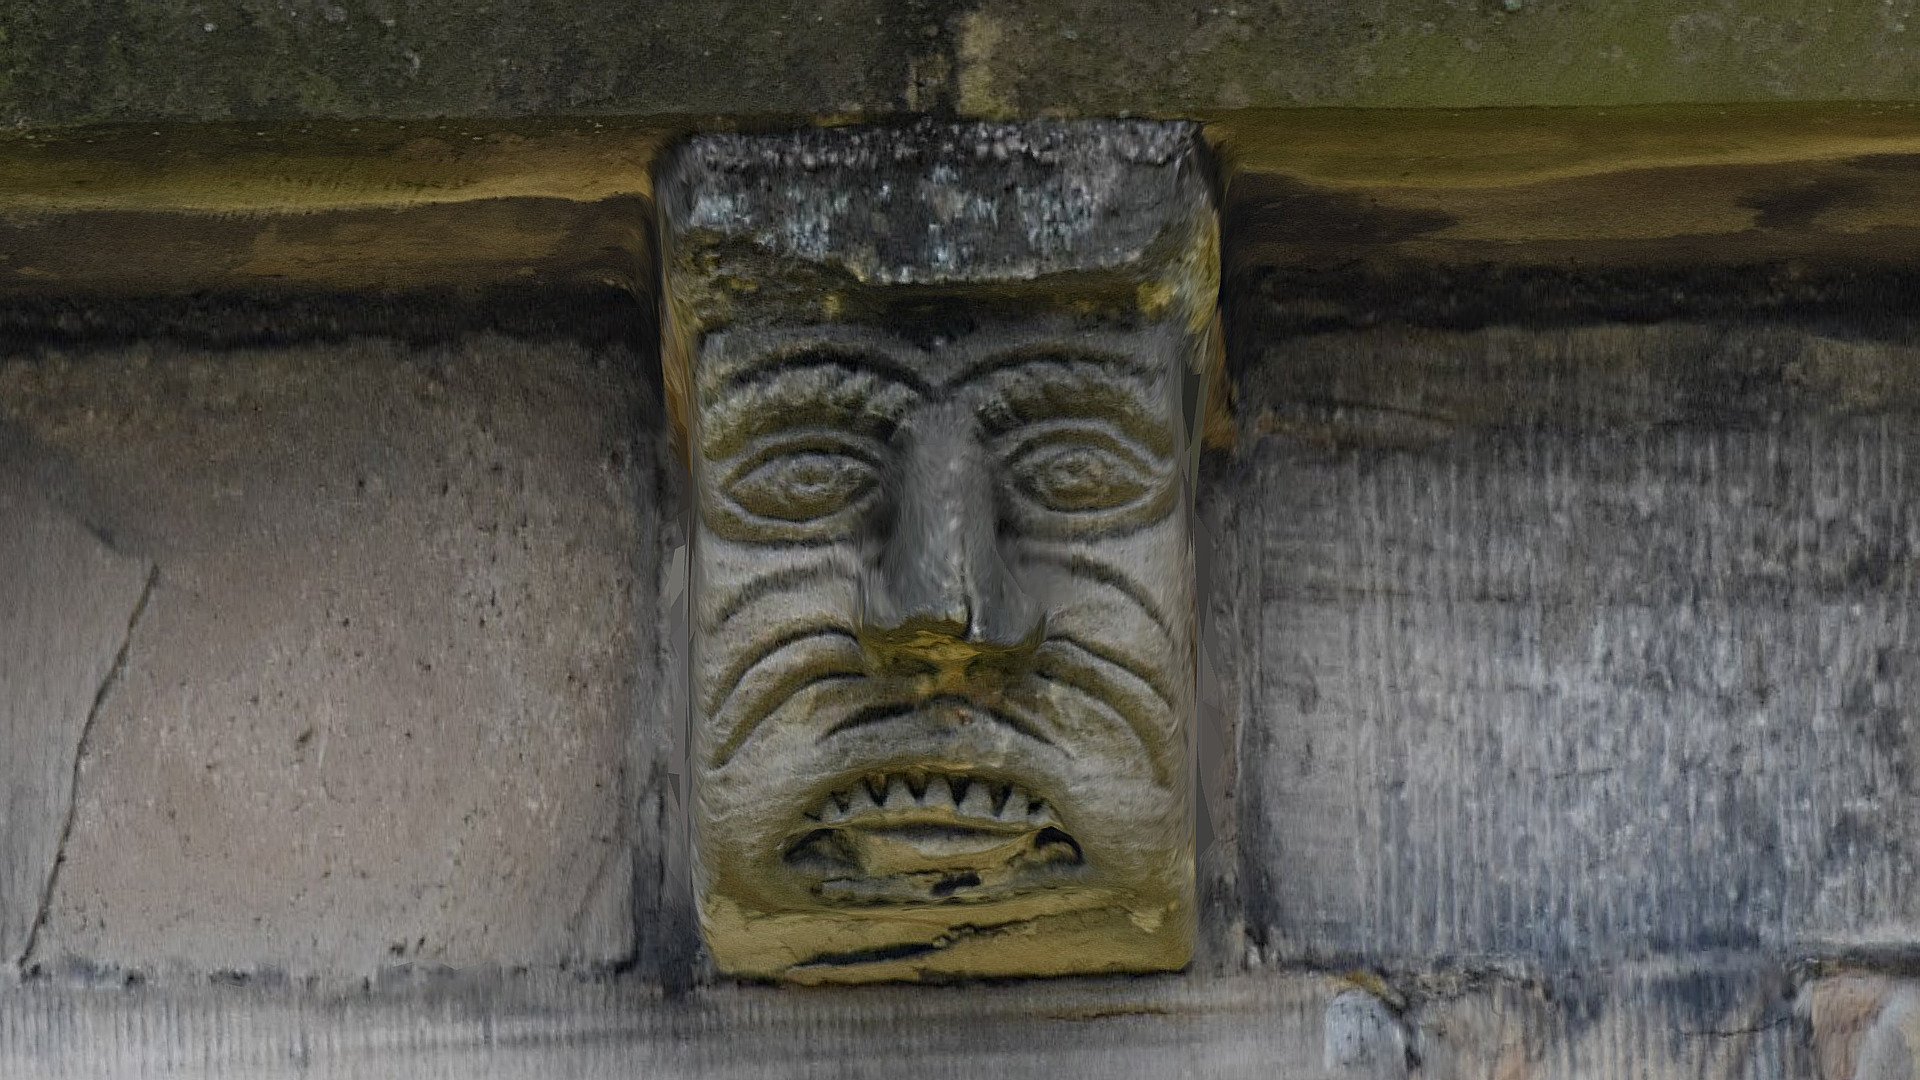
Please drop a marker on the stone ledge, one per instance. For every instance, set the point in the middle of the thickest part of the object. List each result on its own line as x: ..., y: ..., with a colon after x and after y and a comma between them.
x: 1445, y: 215
x: 1657, y: 1023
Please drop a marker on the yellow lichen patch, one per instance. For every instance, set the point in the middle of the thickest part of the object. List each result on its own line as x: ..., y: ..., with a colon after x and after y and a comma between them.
x: 462, y: 244
x: 979, y: 40
x: 226, y: 168
x: 1373, y: 984
x: 1671, y: 185
x: 1474, y: 148
x: 1039, y: 936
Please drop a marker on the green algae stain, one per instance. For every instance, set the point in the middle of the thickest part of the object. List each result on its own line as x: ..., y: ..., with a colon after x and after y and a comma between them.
x: 1081, y: 56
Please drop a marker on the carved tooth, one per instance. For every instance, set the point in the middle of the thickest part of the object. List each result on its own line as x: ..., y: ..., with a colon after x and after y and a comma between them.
x: 938, y: 794
x: 976, y: 803
x: 859, y: 800
x: 1015, y: 808
x: 897, y: 795
x: 829, y: 811
x: 1001, y: 796
x: 917, y: 785
x: 877, y: 789
x: 1040, y: 815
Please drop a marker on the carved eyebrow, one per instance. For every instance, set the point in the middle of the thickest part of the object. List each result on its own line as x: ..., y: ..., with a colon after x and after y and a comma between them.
x: 1038, y: 390
x: 819, y: 394
x: 773, y: 362
x: 1054, y: 353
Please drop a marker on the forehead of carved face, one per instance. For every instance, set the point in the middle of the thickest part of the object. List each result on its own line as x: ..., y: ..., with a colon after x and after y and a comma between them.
x: 943, y: 611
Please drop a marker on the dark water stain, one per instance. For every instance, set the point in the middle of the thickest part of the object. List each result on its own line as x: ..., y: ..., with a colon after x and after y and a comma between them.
x: 1264, y: 301
x: 1797, y: 206
x: 592, y: 316
x: 1281, y: 210
x: 1894, y: 163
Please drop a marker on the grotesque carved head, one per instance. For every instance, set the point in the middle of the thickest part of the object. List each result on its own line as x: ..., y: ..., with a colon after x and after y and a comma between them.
x: 942, y: 618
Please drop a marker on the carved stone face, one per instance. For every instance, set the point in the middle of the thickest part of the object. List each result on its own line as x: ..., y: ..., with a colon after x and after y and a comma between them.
x: 943, y: 644
x: 937, y: 381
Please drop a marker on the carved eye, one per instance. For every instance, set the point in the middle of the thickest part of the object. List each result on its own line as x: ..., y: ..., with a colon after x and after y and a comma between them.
x: 803, y: 485
x: 1082, y: 477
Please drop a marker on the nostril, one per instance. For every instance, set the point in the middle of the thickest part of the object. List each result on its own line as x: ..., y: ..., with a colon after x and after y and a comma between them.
x: 1055, y: 843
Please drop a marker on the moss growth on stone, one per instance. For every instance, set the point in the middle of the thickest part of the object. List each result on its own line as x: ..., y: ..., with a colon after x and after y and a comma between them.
x: 82, y: 61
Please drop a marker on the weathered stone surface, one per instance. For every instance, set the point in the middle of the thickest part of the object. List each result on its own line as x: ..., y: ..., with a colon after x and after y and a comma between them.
x: 1365, y: 1038
x: 66, y: 600
x: 1579, y: 644
x: 942, y: 615
x: 67, y: 61
x: 1705, y: 1018
x: 1863, y: 1027
x: 941, y: 203
x: 378, y: 706
x: 1724, y: 1024
x: 1098, y: 57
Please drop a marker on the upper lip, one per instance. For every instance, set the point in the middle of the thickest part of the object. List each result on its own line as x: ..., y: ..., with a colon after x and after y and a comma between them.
x: 1133, y: 693
x: 880, y: 712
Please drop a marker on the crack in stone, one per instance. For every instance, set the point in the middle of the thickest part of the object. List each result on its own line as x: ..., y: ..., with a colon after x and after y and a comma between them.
x: 1759, y: 1028
x: 911, y: 950
x: 44, y: 910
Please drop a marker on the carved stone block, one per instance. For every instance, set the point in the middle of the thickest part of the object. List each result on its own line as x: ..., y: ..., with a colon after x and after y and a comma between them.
x: 939, y: 386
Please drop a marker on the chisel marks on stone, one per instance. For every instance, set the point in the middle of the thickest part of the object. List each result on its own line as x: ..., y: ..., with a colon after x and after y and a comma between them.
x: 1564, y: 684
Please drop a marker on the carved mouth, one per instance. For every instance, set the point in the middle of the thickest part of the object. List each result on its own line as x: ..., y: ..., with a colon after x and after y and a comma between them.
x: 918, y: 836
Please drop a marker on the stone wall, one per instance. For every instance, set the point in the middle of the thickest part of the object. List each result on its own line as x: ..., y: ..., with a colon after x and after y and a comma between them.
x: 1556, y: 675
x: 76, y: 61
x: 1579, y: 645
x: 1557, y: 684
x: 377, y: 690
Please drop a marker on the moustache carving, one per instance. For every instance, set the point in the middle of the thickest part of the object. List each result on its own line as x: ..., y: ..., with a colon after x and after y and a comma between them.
x: 867, y: 685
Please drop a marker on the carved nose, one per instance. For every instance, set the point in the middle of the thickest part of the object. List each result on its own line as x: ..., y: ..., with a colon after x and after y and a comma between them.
x: 941, y: 596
